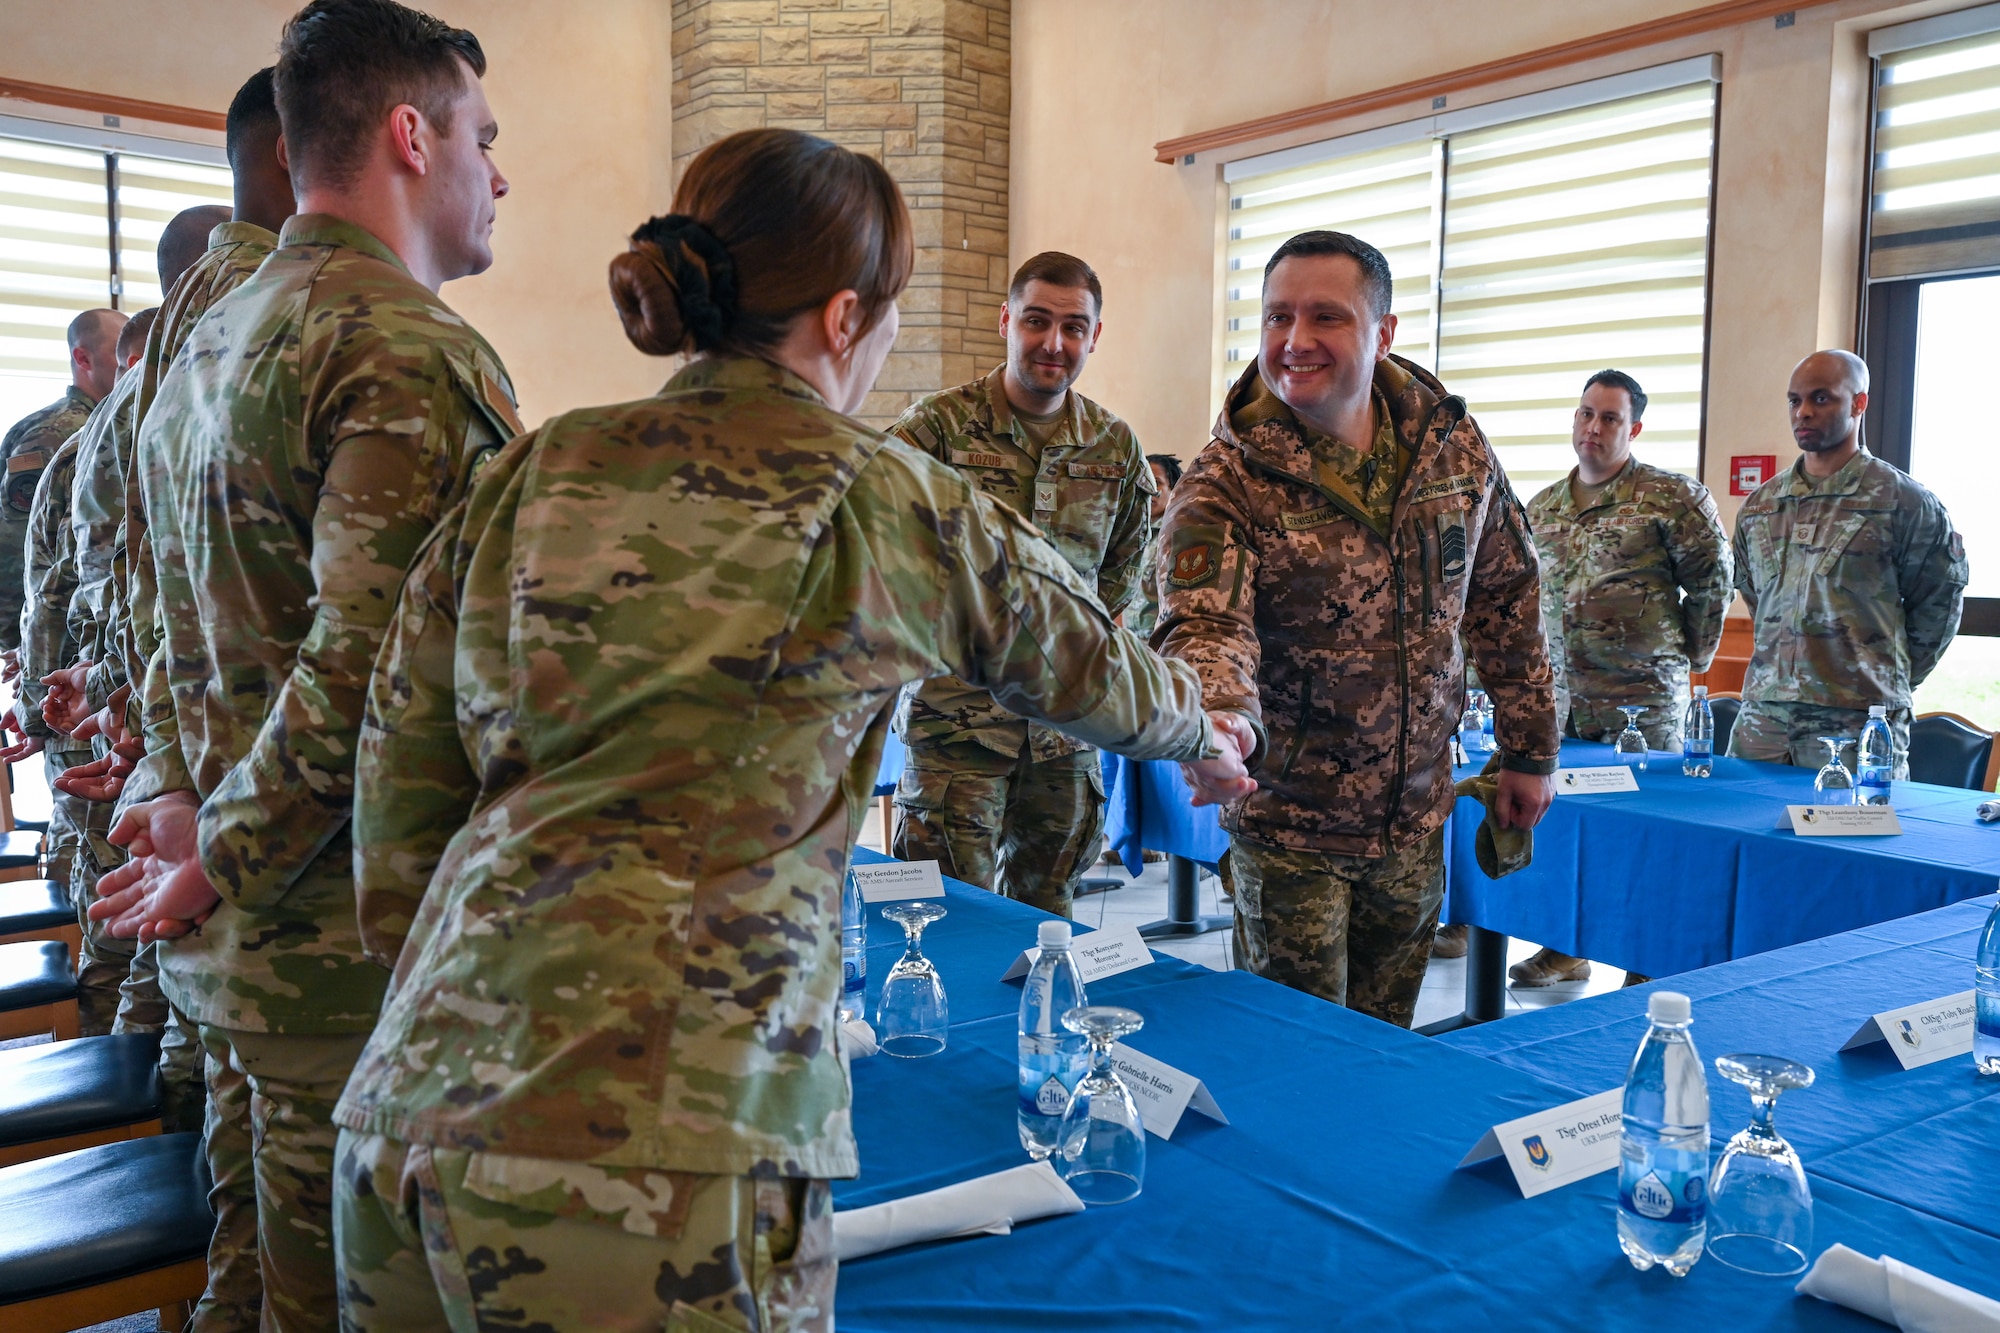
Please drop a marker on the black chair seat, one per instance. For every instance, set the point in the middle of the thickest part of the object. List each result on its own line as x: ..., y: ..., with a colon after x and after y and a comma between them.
x: 33, y: 904
x: 20, y: 847
x: 1945, y: 751
x: 100, y: 1214
x: 77, y: 1087
x: 35, y: 973
x: 1724, y: 711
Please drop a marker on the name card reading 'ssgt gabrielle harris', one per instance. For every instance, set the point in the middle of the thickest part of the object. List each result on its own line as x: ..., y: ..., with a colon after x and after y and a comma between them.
x: 1553, y: 1148
x: 1164, y: 1093
x: 896, y: 881
x: 1922, y: 1034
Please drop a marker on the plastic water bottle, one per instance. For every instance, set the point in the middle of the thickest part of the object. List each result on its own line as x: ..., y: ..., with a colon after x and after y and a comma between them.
x: 1876, y: 763
x: 1485, y: 702
x: 1986, y: 993
x: 1663, y: 1145
x: 1052, y: 1058
x: 1698, y: 736
x: 853, y: 953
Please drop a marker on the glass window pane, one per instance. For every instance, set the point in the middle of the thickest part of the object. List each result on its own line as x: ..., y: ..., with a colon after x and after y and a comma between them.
x: 1575, y: 242
x: 54, y: 262
x: 1958, y: 344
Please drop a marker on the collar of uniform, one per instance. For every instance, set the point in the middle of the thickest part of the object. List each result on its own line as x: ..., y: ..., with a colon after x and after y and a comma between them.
x: 235, y: 233
x: 742, y: 373
x: 80, y: 398
x: 1000, y: 413
x: 325, y: 229
x: 1616, y: 491
x: 1844, y: 482
x: 1257, y: 421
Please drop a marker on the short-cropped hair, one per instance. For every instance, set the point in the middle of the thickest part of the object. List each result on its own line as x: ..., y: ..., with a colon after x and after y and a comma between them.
x: 1058, y: 270
x: 343, y: 64
x: 1378, y: 283
x: 1618, y: 379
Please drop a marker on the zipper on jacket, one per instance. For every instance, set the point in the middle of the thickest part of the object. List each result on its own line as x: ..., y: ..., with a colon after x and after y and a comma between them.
x: 1299, y: 734
x: 1403, y: 687
x: 1432, y: 566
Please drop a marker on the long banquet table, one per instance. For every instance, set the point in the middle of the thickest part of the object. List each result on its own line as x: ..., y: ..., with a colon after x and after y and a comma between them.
x: 1330, y: 1200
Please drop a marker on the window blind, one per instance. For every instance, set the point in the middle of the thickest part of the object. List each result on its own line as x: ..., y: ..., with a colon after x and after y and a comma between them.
x: 54, y: 262
x: 151, y: 191
x: 1575, y: 242
x: 1936, y: 195
x: 1386, y: 196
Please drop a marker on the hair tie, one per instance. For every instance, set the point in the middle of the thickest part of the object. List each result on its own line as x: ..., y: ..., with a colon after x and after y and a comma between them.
x: 697, y: 265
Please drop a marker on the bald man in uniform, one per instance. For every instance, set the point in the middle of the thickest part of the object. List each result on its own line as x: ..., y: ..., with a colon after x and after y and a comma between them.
x: 28, y: 447
x: 1854, y: 577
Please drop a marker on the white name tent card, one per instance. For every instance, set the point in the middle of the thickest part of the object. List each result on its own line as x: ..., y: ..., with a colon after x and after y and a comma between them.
x: 1101, y: 953
x: 1557, y: 1147
x: 896, y: 881
x: 1163, y: 1092
x: 1841, y: 821
x: 1922, y: 1034
x: 1591, y: 781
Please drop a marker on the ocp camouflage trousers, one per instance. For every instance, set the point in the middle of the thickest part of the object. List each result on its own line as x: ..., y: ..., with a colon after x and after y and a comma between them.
x: 270, y: 1148
x: 142, y: 1007
x: 1660, y: 725
x: 1355, y: 930
x: 1788, y: 733
x: 1024, y: 828
x: 423, y: 1245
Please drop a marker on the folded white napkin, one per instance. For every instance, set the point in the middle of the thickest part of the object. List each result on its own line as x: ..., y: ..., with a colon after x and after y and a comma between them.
x: 858, y: 1037
x: 991, y: 1205
x: 1988, y: 811
x: 1898, y: 1294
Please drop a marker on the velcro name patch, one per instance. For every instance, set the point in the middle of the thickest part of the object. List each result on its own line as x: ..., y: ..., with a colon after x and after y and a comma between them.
x: 1465, y: 483
x: 1309, y: 518
x: 1098, y: 471
x: 972, y: 458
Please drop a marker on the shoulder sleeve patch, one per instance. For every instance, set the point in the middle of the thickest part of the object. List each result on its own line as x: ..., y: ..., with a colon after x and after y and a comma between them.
x: 1197, y: 555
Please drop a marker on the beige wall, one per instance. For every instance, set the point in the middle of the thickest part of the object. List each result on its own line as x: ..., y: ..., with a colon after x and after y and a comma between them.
x: 1788, y: 189
x: 581, y: 93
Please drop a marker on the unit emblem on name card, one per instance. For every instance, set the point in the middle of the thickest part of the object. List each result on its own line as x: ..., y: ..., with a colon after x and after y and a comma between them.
x: 1538, y: 1152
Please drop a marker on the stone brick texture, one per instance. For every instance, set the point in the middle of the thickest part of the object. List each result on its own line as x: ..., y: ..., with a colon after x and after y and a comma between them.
x: 920, y: 85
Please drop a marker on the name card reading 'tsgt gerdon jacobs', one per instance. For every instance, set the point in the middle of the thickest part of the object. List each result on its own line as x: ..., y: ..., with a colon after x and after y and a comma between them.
x: 1922, y: 1034
x: 1163, y: 1092
x: 896, y: 881
x: 1101, y: 953
x: 1591, y: 781
x: 1552, y: 1148
x: 1842, y: 821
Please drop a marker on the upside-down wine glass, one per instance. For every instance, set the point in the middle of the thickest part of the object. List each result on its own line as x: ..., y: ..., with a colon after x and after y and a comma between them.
x: 1102, y: 1152
x: 1760, y: 1211
x: 1631, y: 743
x: 912, y: 1015
x: 1833, y: 784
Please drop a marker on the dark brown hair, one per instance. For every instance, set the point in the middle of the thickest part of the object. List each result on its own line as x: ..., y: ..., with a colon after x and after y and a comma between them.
x: 1378, y: 284
x: 768, y: 224
x: 133, y: 336
x: 343, y: 64
x: 1058, y: 270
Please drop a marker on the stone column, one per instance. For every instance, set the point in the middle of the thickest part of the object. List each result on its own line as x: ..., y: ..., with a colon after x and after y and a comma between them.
x: 920, y: 85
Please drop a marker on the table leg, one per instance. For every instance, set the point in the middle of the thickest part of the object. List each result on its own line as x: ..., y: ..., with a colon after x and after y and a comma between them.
x: 1485, y: 983
x: 1184, y: 916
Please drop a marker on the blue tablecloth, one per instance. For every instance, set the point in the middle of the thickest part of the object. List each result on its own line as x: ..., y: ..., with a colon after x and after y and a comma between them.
x: 890, y: 771
x: 1330, y: 1200
x: 1689, y: 872
x: 1923, y: 1137
x: 1148, y: 807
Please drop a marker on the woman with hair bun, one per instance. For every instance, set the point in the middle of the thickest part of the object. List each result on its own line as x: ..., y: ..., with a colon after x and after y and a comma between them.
x: 619, y: 745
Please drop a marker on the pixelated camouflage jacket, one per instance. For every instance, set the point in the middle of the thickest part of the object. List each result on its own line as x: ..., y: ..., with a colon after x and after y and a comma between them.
x: 132, y: 637
x: 1854, y: 585
x: 631, y: 712
x: 315, y: 426
x: 1634, y: 587
x: 1342, y: 643
x: 27, y: 449
x: 1090, y: 493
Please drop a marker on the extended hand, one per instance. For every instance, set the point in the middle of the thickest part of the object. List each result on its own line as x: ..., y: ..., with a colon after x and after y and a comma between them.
x: 65, y: 708
x: 100, y: 779
x: 162, y: 892
x: 26, y: 747
x: 10, y: 666
x: 1224, y: 779
x: 1522, y: 798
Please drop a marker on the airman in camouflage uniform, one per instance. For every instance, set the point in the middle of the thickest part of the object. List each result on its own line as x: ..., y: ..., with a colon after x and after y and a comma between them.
x: 319, y: 419
x: 996, y: 800
x: 1323, y: 590
x: 1635, y: 582
x: 653, y: 769
x: 26, y: 450
x: 1854, y: 576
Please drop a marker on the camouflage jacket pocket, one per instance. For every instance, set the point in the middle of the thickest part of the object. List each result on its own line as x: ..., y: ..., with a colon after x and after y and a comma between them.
x: 635, y: 1199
